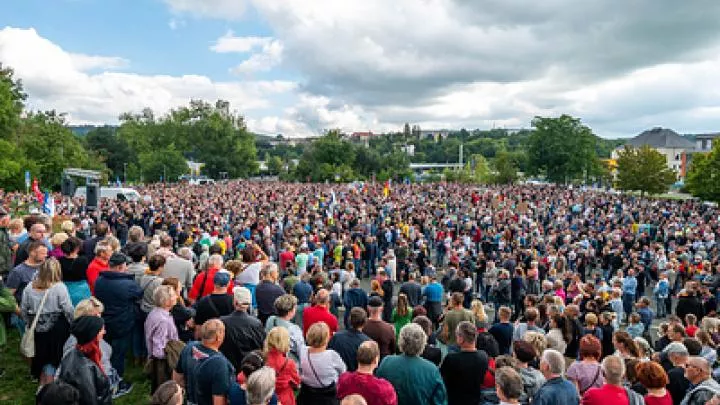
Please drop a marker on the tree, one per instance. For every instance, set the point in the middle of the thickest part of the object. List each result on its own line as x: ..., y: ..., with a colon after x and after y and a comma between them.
x: 561, y: 148
x: 275, y: 165
x: 703, y: 178
x: 12, y: 103
x: 505, y: 168
x: 113, y: 149
x: 643, y: 169
x: 326, y: 157
x: 164, y: 164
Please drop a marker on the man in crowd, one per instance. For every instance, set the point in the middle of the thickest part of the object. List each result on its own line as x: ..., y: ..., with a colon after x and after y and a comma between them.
x: 453, y: 318
x: 503, y: 330
x: 204, y: 284
x: 267, y: 292
x: 613, y: 391
x: 702, y: 386
x: 412, y: 290
x: 119, y: 293
x: 101, y: 231
x: 25, y: 271
x: 508, y: 386
x: 531, y: 315
x: 6, y: 252
x: 376, y: 391
x: 37, y: 234
x: 556, y: 390
x: 378, y: 330
x: 320, y: 312
x: 678, y: 385
x: 355, y: 297
x: 180, y: 267
x: 218, y: 303
x: 464, y: 371
x: 347, y: 341
x: 243, y: 332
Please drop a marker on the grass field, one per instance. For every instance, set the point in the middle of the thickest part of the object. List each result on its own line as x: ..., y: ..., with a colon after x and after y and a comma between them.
x: 16, y: 388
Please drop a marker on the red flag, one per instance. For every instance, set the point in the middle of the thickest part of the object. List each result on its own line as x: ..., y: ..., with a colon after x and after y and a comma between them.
x: 38, y: 194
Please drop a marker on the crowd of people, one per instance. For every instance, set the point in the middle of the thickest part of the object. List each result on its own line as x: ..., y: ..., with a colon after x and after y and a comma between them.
x: 277, y: 293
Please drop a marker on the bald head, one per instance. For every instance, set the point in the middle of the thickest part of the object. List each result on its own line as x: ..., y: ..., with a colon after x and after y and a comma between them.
x: 697, y: 369
x: 354, y: 399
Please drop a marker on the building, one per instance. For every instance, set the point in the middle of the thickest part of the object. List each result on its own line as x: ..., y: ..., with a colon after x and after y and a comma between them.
x: 434, y: 134
x: 704, y: 142
x: 675, y: 148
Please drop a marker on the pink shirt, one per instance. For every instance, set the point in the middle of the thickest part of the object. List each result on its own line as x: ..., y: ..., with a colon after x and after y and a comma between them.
x: 376, y: 391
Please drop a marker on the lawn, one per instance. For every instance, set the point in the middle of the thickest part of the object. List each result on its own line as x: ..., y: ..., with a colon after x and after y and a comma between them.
x: 16, y: 388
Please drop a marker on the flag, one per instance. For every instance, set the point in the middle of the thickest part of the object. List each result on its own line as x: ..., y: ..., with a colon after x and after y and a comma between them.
x: 117, y: 181
x: 49, y: 205
x: 38, y: 194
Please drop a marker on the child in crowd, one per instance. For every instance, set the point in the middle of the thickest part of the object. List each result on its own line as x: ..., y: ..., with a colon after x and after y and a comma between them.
x: 635, y: 328
x: 617, y: 305
x: 691, y: 322
x: 662, y: 293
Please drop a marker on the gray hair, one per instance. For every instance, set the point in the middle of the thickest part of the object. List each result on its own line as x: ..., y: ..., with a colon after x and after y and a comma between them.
x: 185, y: 253
x: 260, y: 386
x: 136, y: 234
x: 113, y: 242
x: 509, y: 382
x: 412, y: 339
x: 215, y: 261
x: 555, y: 360
x: 268, y: 269
x: 162, y: 294
x: 613, y: 368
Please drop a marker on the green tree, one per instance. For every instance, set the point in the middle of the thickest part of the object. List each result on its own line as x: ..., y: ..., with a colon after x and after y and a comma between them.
x: 113, y: 149
x: 327, y: 157
x: 703, y: 178
x: 12, y: 163
x: 163, y: 164
x: 643, y: 169
x: 275, y: 165
x: 12, y: 103
x: 505, y: 168
x: 563, y: 149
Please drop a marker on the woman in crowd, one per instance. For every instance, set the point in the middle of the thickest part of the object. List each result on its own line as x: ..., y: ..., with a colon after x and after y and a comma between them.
x: 82, y: 366
x: 240, y: 393
x: 586, y: 373
x: 401, y: 314
x: 169, y: 393
x: 182, y: 315
x: 277, y: 346
x: 430, y: 352
x: 625, y: 346
x: 56, y: 241
x: 159, y: 331
x: 560, y: 333
x: 74, y: 270
x: 320, y: 367
x: 654, y: 378
x: 46, y: 303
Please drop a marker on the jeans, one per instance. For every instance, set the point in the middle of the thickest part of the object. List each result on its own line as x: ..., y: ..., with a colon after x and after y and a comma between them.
x: 628, y: 301
x: 660, y: 307
x: 139, y: 346
x: 120, y: 345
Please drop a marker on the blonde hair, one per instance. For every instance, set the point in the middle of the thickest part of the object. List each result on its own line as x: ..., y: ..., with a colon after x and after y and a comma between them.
x: 591, y: 319
x: 67, y: 226
x: 279, y: 339
x: 478, y: 309
x: 113, y: 242
x: 48, y: 274
x: 536, y: 339
x: 89, y: 306
x: 317, y: 335
x: 58, y: 238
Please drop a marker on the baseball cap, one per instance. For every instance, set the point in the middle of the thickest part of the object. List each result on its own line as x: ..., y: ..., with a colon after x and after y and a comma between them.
x: 242, y: 295
x: 221, y: 279
x: 375, y: 302
x: 117, y: 259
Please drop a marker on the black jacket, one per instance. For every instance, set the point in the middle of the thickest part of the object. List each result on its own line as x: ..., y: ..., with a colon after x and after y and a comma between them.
x: 83, y: 374
x: 689, y: 305
x: 243, y: 334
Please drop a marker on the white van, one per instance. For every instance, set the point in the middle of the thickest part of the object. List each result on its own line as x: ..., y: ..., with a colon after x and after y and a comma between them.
x: 112, y: 193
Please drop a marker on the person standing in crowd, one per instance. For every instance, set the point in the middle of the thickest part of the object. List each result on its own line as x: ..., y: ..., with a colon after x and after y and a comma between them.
x: 412, y: 290
x: 212, y: 374
x: 586, y: 372
x: 464, y: 371
x: 376, y: 391
x: 612, y: 391
x: 285, y: 309
x: 678, y: 355
x: 243, y: 332
x: 216, y: 304
x: 159, y: 331
x: 702, y: 386
x: 402, y: 313
x: 37, y: 233
x: 6, y: 252
x: 82, y: 367
x: 277, y: 347
x: 454, y: 316
x: 416, y: 380
x: 101, y: 231
x: 46, y: 305
x: 74, y: 270
x: 24, y: 272
x: 629, y: 287
x: 433, y: 294
x: 654, y: 378
x: 320, y: 368
x: 180, y: 266
x: 508, y: 385
x: 320, y: 312
x: 355, y: 297
x: 378, y: 330
x: 503, y: 330
x: 204, y: 282
x: 99, y: 262
x: 556, y: 390
x: 119, y: 292
x: 267, y: 291
x: 346, y: 342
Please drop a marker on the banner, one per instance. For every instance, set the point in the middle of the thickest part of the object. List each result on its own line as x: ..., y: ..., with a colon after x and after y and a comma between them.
x: 49, y: 205
x: 38, y: 194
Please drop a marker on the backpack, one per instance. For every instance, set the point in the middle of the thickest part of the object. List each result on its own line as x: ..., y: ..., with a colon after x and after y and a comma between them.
x: 173, y: 349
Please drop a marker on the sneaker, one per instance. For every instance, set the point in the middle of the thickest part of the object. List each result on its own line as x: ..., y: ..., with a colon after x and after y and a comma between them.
x: 123, y: 388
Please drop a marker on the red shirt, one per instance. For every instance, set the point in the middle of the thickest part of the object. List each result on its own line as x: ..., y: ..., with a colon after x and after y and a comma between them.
x: 607, y: 394
x: 93, y: 271
x: 376, y: 391
x: 691, y: 330
x: 286, y: 257
x: 666, y: 400
x: 286, y: 376
x: 317, y: 313
x: 204, y: 284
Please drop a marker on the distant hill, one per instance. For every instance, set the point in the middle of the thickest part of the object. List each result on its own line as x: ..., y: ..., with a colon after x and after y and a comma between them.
x: 82, y: 130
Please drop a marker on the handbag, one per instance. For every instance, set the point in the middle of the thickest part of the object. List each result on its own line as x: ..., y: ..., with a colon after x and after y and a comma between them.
x: 27, y: 344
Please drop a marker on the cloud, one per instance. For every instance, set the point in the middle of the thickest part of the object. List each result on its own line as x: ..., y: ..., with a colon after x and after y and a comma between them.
x: 270, y: 56
x: 176, y: 23
x: 57, y: 79
x: 219, y: 9
x: 229, y: 43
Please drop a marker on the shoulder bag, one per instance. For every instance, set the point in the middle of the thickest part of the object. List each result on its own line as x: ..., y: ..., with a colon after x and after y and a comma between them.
x: 27, y: 344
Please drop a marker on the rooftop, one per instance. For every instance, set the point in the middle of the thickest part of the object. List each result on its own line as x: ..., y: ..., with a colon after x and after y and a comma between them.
x: 661, y: 138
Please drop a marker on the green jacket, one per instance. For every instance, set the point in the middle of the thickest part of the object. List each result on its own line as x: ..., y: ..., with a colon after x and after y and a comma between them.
x: 7, y: 304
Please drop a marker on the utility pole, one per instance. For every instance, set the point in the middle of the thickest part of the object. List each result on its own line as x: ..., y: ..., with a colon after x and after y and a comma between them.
x: 125, y: 173
x: 461, y: 156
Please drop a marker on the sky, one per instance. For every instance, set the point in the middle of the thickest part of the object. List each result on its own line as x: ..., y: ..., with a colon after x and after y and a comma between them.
x: 299, y: 67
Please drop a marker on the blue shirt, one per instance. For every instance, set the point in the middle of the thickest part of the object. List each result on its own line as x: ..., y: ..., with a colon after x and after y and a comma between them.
x: 629, y: 285
x: 302, y: 290
x: 189, y: 357
x: 646, y: 316
x: 433, y: 292
x: 557, y: 391
x: 214, y: 375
